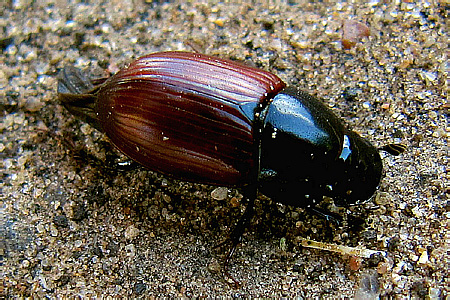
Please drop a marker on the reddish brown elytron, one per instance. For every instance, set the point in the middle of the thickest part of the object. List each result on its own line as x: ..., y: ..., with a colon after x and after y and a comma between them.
x: 187, y: 115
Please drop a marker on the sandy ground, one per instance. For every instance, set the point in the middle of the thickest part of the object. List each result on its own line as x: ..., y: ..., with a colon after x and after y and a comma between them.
x: 72, y: 223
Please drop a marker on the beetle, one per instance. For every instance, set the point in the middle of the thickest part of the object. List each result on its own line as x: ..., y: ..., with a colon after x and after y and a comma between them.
x: 209, y: 120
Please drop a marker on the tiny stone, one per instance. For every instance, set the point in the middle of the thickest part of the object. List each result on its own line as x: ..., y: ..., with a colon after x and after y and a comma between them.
x: 131, y: 232
x: 19, y: 119
x: 428, y: 77
x: 45, y: 265
x: 86, y: 129
x: 350, y: 93
x: 369, y: 286
x: 25, y: 264
x: 423, y: 258
x: 434, y: 293
x: 130, y: 250
x: 382, y: 268
x: 214, y: 266
x: 40, y: 228
x: 219, y: 193
x: 75, y: 211
x: 353, y: 32
x: 33, y: 104
x: 302, y: 44
x: 140, y: 288
x: 416, y: 211
x: 218, y: 22
x: 372, y: 83
x: 113, y: 248
x: 53, y: 230
x: 439, y: 133
x: 61, y: 221
x: 385, y: 106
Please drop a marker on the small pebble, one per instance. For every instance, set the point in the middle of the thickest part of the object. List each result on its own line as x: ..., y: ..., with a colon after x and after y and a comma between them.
x: 131, y: 232
x: 140, y: 288
x: 355, y: 263
x: 423, y: 258
x: 219, y: 193
x: 25, y: 264
x: 61, y: 221
x: 130, y: 250
x: 218, y: 22
x: 235, y: 202
x: 430, y: 78
x: 353, y: 31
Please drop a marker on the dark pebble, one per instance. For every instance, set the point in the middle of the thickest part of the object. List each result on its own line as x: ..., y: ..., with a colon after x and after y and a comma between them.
x: 374, y: 260
x: 96, y: 250
x: 351, y: 93
x: 5, y: 42
x: 140, y: 288
x: 61, y: 221
x: 78, y: 212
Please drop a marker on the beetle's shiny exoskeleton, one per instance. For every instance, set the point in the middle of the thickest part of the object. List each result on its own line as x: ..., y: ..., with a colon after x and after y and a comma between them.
x: 210, y: 120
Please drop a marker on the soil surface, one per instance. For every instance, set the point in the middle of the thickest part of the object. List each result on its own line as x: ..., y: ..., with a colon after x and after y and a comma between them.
x: 74, y: 223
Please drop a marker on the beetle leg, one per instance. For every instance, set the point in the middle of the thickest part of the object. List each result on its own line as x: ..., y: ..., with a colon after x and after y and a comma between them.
x: 236, y: 235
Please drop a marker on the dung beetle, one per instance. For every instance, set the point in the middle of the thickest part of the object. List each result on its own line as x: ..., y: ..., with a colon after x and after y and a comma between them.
x: 209, y: 120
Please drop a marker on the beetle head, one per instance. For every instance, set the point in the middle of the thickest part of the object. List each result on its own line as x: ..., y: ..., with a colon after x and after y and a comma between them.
x: 359, y: 171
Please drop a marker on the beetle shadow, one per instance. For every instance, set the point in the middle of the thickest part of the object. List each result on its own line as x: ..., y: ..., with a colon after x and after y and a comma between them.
x: 168, y: 207
x: 274, y: 221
